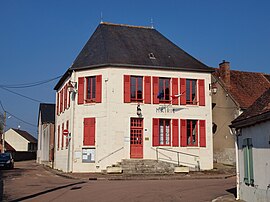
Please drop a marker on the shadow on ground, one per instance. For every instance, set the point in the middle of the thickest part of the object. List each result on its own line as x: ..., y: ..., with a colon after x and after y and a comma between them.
x: 48, y: 191
x: 232, y: 191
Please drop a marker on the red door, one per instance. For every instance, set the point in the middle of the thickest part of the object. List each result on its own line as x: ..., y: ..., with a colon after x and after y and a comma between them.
x: 136, y: 138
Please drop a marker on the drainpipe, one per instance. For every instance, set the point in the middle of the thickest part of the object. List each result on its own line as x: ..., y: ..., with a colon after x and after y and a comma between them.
x: 237, y: 166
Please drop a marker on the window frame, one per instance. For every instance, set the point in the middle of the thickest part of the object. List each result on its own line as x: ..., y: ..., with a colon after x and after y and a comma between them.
x: 189, y: 130
x: 136, y: 85
x: 93, y: 88
x: 162, y: 84
x: 163, y: 123
x: 189, y: 92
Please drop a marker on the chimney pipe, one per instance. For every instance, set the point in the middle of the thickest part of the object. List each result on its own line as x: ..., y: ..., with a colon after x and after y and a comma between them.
x: 224, y: 70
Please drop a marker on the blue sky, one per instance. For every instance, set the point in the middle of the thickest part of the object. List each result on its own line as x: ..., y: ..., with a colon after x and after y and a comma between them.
x: 39, y: 39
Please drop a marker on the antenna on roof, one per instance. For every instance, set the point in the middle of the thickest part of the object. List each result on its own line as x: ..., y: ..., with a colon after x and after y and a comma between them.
x: 152, y: 23
x: 101, y: 18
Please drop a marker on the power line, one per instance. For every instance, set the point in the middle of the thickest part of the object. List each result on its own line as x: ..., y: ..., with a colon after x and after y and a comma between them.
x: 35, y: 100
x: 28, y: 85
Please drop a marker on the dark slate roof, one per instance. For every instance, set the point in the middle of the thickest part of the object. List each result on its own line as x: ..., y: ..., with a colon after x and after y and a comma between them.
x: 47, y: 112
x: 246, y: 87
x: 26, y: 135
x: 131, y: 45
x: 259, y: 111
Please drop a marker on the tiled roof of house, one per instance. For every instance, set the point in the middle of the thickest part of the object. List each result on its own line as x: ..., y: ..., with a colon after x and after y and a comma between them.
x: 26, y: 135
x: 257, y: 112
x: 47, y: 112
x: 133, y: 45
x: 245, y: 87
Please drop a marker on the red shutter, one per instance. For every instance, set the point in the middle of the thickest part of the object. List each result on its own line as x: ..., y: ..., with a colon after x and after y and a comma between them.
x: 67, y: 127
x: 175, y: 133
x: 175, y: 91
x: 62, y: 143
x: 201, y: 92
x: 98, y: 88
x: 61, y: 101
x: 155, y: 137
x: 183, y: 91
x: 58, y: 137
x: 155, y: 90
x: 81, y: 90
x: 202, y: 133
x: 65, y: 97
x: 147, y: 89
x: 126, y: 88
x: 183, y: 133
x: 57, y: 104
x: 89, y: 132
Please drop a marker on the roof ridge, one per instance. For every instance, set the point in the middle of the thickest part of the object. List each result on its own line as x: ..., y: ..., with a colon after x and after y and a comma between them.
x: 126, y: 25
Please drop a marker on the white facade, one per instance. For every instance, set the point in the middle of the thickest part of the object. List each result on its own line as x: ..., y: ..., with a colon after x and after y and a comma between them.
x: 260, y: 135
x: 112, y: 129
x: 15, y: 140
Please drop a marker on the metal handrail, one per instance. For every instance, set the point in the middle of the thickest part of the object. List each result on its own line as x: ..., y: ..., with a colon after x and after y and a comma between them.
x: 178, y: 157
x: 110, y: 154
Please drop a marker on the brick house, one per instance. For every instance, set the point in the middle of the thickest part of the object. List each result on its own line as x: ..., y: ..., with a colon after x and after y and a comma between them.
x: 133, y: 94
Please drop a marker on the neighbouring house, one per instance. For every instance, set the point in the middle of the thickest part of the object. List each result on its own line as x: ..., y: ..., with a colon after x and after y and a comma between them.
x: 252, y: 129
x: 133, y: 95
x: 236, y: 91
x: 46, y: 120
x: 20, y: 140
x: 8, y: 148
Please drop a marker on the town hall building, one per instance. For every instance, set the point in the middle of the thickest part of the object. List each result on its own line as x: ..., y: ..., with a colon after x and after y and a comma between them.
x: 132, y: 94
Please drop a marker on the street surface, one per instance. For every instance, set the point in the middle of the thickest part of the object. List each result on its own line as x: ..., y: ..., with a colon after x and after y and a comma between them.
x: 31, y: 182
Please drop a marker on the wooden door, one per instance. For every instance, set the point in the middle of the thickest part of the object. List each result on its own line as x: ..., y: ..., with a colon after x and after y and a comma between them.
x: 136, y: 138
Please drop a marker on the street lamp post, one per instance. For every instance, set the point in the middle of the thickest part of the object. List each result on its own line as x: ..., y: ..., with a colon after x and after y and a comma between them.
x: 4, y: 128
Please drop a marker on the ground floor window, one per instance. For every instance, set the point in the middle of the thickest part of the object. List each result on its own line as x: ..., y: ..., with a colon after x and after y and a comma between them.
x: 88, y: 155
x: 164, y: 132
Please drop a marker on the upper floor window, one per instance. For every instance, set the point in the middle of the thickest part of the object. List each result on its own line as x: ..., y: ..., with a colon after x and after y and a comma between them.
x: 164, y: 90
x: 136, y: 88
x: 191, y: 91
x: 90, y: 88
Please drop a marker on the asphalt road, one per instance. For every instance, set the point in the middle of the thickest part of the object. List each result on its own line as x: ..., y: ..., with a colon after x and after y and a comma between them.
x: 31, y: 182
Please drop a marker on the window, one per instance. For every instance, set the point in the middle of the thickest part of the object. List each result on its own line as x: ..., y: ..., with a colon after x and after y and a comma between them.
x: 90, y: 89
x: 191, y: 88
x: 192, y: 133
x: 248, y: 162
x: 164, y: 90
x: 164, y: 132
x: 136, y: 88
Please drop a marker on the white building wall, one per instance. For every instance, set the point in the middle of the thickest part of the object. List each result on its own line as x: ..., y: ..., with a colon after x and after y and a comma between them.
x: 16, y: 141
x: 39, y: 140
x: 113, y: 122
x: 260, y: 134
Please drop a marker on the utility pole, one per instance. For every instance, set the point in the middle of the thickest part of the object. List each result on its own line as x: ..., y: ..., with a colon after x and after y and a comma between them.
x: 4, y: 128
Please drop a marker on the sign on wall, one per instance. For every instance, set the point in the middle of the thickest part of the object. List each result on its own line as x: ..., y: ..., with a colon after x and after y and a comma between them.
x: 88, y: 155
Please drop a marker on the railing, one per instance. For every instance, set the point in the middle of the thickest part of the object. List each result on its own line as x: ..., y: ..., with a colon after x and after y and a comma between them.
x: 110, y: 154
x: 178, y: 156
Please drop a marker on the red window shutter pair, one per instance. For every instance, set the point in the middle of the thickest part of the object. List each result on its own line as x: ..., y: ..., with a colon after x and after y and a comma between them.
x: 147, y: 89
x: 184, y: 133
x: 175, y: 132
x: 89, y: 132
x: 175, y: 91
x: 81, y: 90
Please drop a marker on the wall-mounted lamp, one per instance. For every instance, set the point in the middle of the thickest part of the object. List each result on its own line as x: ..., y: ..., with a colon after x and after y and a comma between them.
x: 213, y: 87
x: 72, y: 86
x: 139, y: 110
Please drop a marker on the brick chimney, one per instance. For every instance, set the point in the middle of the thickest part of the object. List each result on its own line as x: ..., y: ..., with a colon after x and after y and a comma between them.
x: 224, y: 72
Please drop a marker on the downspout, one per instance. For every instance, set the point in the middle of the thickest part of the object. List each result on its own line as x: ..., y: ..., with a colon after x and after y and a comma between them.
x: 237, y: 166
